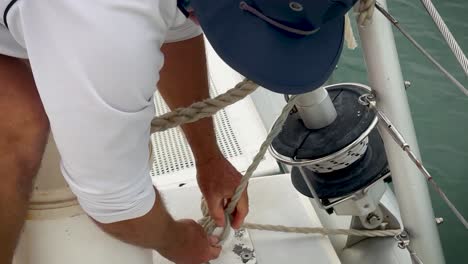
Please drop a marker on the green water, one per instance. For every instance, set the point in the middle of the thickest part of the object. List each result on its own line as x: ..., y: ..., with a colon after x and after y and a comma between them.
x: 439, y: 109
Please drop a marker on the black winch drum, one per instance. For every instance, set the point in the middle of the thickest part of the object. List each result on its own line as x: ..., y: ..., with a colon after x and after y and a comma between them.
x: 298, y: 146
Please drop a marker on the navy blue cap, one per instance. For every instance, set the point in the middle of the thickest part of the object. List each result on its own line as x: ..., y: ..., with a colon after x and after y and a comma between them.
x: 288, y: 47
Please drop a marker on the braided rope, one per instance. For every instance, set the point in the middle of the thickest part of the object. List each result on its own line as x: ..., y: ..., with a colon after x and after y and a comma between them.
x: 323, y: 231
x: 209, y: 107
x: 365, y: 12
x: 207, y: 222
x: 445, y: 31
x: 202, y: 109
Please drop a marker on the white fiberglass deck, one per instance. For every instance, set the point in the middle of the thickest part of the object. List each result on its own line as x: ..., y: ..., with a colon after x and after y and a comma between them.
x: 273, y: 200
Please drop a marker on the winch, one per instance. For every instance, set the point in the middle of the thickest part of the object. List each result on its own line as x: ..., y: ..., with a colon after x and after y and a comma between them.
x: 338, y: 159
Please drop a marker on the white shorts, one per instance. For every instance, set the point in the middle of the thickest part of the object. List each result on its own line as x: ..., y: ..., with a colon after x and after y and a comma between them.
x: 96, y: 64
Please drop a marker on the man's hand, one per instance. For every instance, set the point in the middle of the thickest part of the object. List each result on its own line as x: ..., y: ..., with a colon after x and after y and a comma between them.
x: 218, y: 180
x: 183, y: 241
x: 191, y: 245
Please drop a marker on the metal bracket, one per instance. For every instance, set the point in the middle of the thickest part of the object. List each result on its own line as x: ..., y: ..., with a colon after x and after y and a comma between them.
x: 403, y: 240
x: 389, y: 221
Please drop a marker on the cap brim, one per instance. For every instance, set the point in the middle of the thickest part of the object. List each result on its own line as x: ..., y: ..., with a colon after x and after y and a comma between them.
x: 272, y: 58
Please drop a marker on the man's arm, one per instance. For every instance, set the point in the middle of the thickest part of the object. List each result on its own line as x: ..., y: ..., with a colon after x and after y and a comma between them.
x: 183, y: 81
x: 98, y: 101
x: 180, y: 241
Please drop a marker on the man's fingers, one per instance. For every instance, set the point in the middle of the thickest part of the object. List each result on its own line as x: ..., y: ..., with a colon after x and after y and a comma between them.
x: 241, y: 212
x: 215, y: 252
x: 216, y: 210
x: 214, y: 240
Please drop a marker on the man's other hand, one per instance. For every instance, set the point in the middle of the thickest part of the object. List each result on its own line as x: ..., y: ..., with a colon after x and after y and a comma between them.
x: 190, y: 244
x: 218, y: 180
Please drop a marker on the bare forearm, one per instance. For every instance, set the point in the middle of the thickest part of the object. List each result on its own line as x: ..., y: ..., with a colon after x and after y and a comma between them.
x: 184, y: 80
x: 181, y: 241
x: 149, y: 231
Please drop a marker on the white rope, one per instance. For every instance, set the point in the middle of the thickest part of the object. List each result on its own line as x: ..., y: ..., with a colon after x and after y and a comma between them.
x: 207, y: 221
x: 349, y: 34
x: 451, y: 41
x: 204, y: 109
x: 365, y: 11
x: 324, y: 231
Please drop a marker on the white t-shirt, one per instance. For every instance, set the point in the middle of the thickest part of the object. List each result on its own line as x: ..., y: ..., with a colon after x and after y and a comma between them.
x: 96, y: 64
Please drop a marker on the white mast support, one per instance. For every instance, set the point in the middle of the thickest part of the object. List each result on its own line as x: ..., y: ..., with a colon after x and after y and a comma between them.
x: 386, y: 79
x: 316, y: 109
